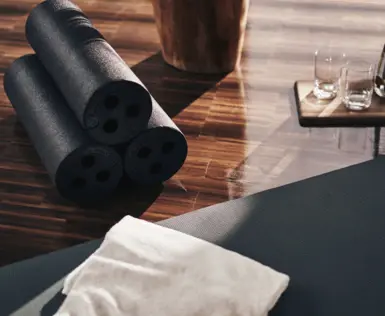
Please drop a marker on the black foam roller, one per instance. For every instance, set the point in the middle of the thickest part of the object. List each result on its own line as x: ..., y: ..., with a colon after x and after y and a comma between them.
x: 158, y: 152
x: 107, y: 98
x: 81, y: 169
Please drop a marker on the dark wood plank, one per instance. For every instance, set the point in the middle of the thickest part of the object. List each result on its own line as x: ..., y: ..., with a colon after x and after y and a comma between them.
x: 333, y: 113
x: 242, y: 130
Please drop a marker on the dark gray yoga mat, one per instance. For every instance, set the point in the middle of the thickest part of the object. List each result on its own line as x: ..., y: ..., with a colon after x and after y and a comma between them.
x: 327, y: 233
x: 158, y: 152
x: 82, y: 170
x: 107, y: 98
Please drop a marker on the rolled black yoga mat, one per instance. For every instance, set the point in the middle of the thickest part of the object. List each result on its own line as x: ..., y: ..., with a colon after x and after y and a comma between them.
x: 157, y: 153
x: 108, y: 99
x: 81, y: 169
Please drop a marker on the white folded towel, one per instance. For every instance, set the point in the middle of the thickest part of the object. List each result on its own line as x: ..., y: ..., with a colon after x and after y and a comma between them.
x: 143, y: 269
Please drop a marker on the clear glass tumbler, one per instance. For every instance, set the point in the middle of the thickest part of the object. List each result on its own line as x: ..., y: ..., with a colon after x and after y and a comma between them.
x: 357, y: 84
x: 327, y: 70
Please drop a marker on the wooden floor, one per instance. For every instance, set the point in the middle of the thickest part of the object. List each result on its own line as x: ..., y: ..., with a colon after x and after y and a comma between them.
x: 242, y: 130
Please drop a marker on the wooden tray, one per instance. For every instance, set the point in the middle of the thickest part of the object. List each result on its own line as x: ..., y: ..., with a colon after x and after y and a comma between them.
x: 315, y: 113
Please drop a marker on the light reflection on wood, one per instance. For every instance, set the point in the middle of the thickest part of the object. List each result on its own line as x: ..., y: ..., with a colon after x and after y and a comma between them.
x: 242, y: 130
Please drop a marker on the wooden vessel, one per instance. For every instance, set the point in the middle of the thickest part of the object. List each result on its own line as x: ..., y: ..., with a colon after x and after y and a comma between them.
x: 203, y: 36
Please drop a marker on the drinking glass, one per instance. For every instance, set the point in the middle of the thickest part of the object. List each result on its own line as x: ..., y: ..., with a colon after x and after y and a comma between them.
x: 327, y: 70
x: 357, y: 83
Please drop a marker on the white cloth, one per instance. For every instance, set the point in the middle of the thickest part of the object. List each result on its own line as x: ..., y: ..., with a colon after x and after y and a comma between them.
x: 143, y: 269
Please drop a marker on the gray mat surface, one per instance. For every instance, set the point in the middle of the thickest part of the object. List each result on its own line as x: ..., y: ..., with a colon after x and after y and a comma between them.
x: 327, y: 233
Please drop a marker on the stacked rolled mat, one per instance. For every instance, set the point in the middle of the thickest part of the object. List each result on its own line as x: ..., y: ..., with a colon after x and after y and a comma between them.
x: 78, y: 100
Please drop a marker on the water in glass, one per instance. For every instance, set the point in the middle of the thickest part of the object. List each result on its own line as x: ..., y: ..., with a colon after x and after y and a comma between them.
x: 327, y: 70
x: 357, y: 81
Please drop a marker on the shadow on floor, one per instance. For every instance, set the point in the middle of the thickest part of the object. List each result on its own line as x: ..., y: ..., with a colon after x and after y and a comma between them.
x: 25, y: 176
x: 173, y: 89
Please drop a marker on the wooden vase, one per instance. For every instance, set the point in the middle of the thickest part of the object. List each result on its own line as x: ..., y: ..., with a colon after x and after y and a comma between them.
x: 204, y: 36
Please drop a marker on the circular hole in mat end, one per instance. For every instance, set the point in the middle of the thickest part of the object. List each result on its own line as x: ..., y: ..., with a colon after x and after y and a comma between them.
x: 78, y: 183
x: 156, y: 168
x: 168, y: 147
x: 111, y: 102
x: 103, y: 176
x: 88, y: 161
x: 144, y: 152
x: 110, y: 126
x: 132, y: 110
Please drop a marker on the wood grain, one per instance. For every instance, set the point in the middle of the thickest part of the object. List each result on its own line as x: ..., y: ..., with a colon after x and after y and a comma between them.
x: 203, y: 36
x: 242, y: 129
x: 328, y: 113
